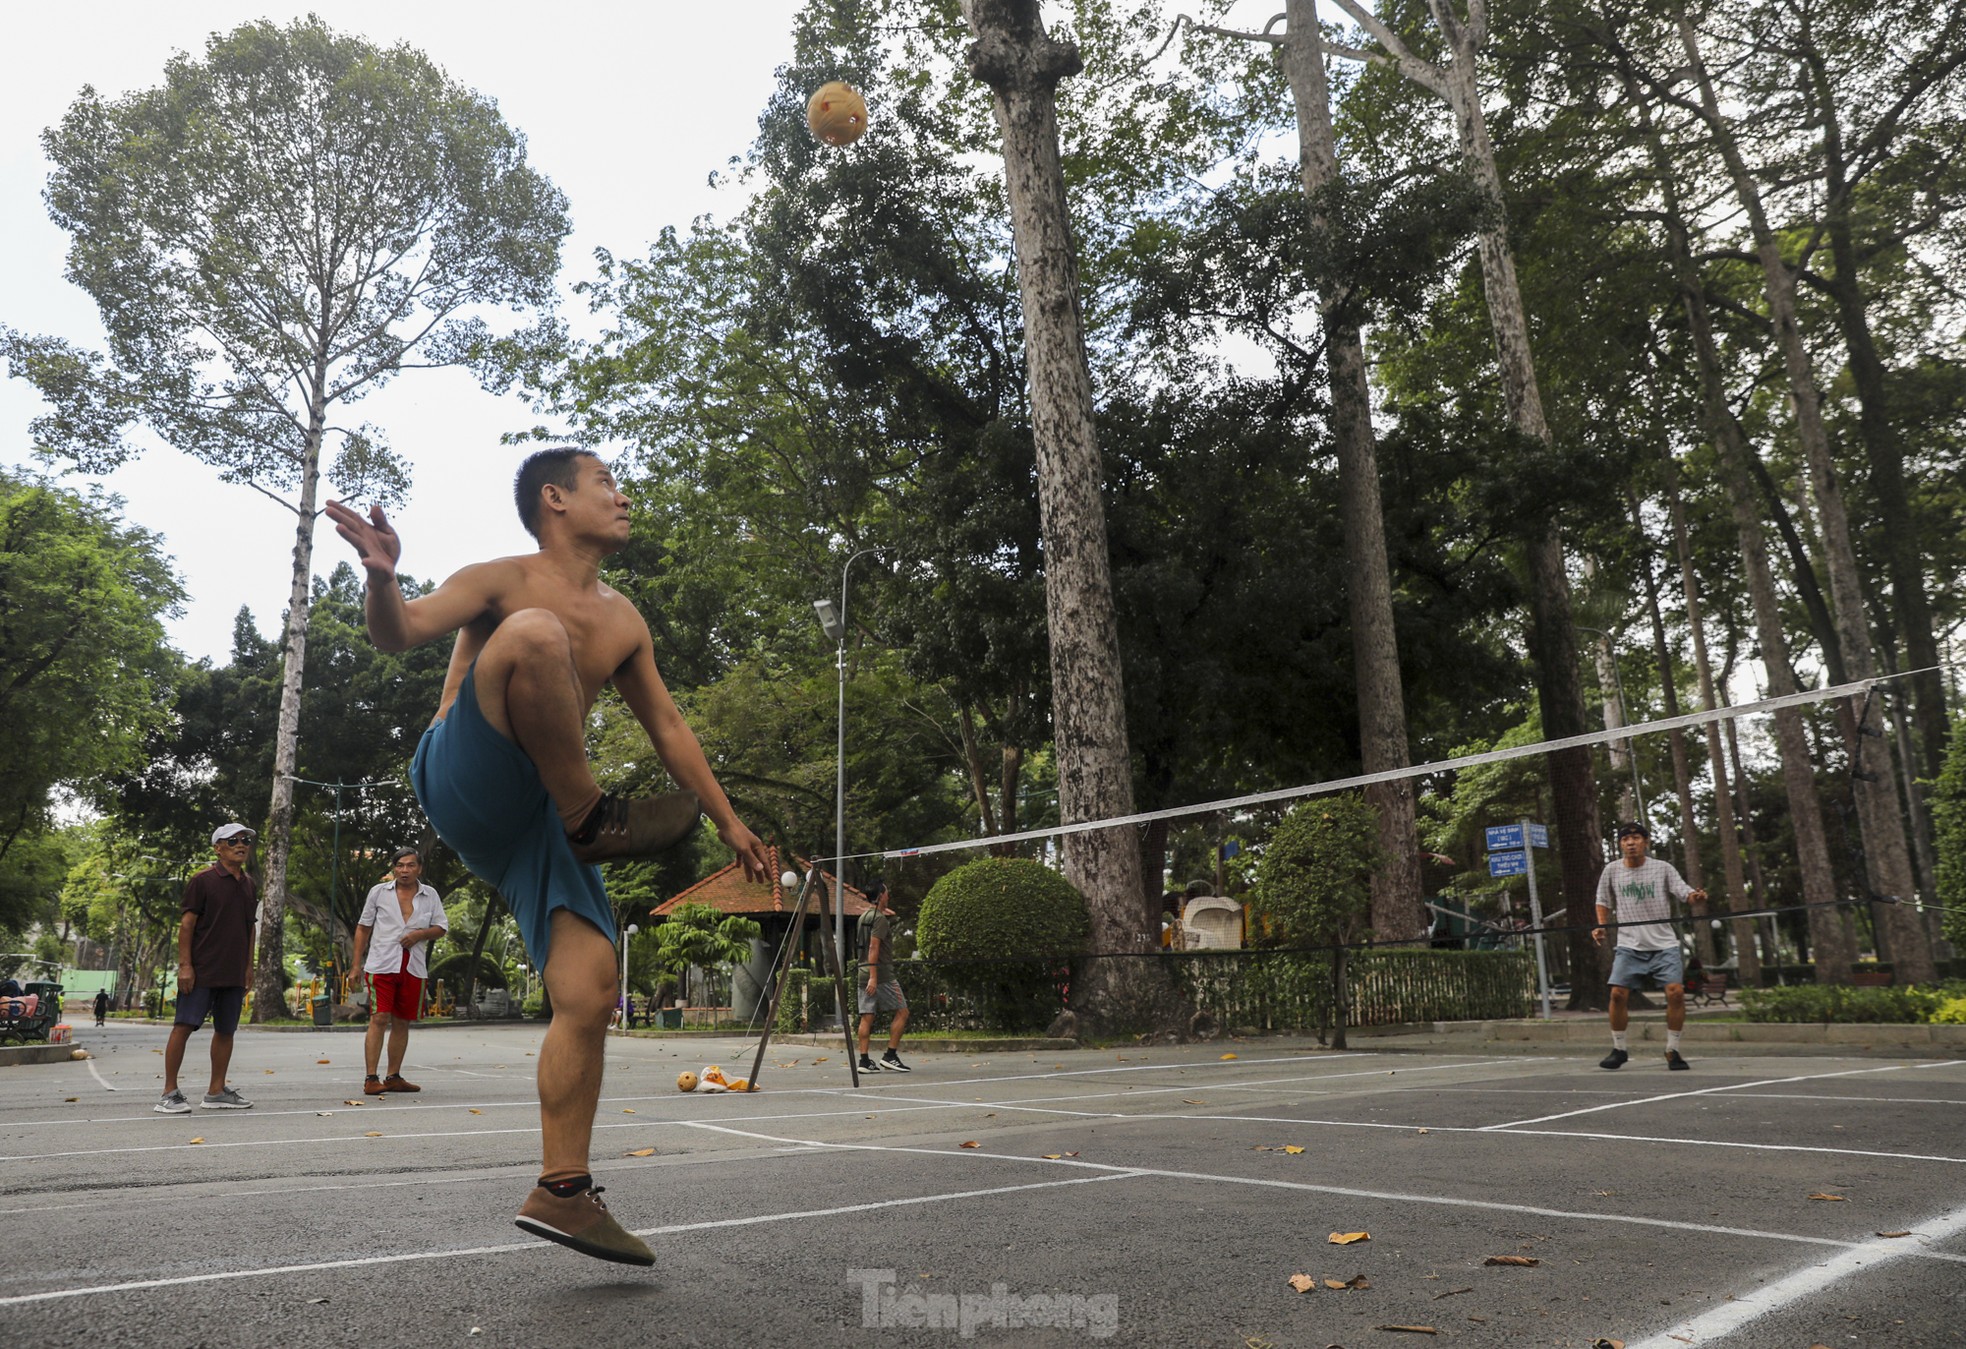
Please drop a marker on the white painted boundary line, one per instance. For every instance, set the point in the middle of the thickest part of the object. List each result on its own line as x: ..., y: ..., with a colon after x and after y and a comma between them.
x: 1862, y: 1257
x: 94, y: 1072
x: 673, y: 1229
x: 1714, y: 1091
x: 1630, y: 1220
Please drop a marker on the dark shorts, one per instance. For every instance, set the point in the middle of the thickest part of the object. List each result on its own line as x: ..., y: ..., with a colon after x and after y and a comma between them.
x: 222, y: 1005
x: 886, y: 997
x: 397, y: 995
x: 486, y: 801
x: 1631, y: 969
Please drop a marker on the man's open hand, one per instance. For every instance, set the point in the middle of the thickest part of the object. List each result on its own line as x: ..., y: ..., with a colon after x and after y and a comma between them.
x: 750, y: 850
x: 374, y: 538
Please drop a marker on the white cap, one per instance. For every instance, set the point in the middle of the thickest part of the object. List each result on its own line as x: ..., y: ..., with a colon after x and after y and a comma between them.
x: 226, y: 831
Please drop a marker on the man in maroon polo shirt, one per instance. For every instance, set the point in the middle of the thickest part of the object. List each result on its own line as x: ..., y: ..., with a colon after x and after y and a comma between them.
x: 214, y: 957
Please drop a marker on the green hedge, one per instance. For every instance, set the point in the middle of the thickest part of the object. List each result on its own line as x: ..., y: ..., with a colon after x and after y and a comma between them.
x: 998, y: 906
x: 1267, y: 990
x: 1824, y: 1003
x: 794, y: 1009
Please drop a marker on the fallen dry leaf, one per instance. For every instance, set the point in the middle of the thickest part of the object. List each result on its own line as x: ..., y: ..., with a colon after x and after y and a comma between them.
x: 1227, y: 1057
x: 1424, y: 1131
x: 1894, y: 1234
x: 1186, y: 1101
x: 1606, y: 1342
x: 640, y: 1152
x: 372, y: 1134
x: 1452, y: 1292
x: 1292, y: 1149
x: 1303, y: 1283
x: 823, y: 1058
x: 71, y: 1098
x: 351, y: 1102
x: 627, y: 1112
x: 320, y: 1060
x: 972, y: 1143
x: 1334, y: 1283
x: 476, y: 1112
x: 1412, y: 1330
x: 1526, y: 1261
x: 1052, y: 1156
x: 197, y: 1140
x: 267, y: 1071
x: 1071, y: 1154
x: 1833, y: 1198
x: 1347, y: 1238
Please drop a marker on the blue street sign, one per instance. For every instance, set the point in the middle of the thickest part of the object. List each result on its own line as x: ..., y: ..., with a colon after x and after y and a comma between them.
x: 1539, y: 835
x: 1504, y: 836
x: 1507, y: 863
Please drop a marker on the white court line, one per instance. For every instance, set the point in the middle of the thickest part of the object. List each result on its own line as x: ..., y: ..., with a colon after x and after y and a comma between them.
x: 673, y: 1229
x: 98, y: 1076
x: 1713, y: 1091
x: 1862, y: 1257
x: 475, y: 1176
x: 1263, y: 1182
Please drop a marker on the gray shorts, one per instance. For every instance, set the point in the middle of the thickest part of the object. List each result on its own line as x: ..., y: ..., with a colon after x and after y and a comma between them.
x: 222, y: 1005
x: 886, y: 997
x: 1632, y: 969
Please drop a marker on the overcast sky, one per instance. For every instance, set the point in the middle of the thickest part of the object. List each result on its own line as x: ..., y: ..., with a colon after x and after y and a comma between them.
x: 628, y: 108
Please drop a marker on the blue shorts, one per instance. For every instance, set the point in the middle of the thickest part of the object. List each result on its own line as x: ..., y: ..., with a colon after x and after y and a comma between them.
x: 1631, y: 968
x: 222, y: 1005
x: 485, y: 799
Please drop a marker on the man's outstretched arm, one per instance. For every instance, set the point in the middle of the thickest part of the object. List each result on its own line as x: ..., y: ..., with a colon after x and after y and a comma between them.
x: 397, y: 624
x: 641, y: 687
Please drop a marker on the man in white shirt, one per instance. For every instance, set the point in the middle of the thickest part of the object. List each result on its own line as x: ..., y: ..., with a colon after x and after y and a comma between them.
x: 392, y: 940
x: 1643, y: 889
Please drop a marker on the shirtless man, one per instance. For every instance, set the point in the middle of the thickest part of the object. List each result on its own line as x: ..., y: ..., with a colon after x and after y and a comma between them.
x: 502, y: 774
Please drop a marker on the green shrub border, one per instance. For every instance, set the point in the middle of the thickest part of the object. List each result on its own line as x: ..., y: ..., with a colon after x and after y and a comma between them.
x: 1822, y: 1004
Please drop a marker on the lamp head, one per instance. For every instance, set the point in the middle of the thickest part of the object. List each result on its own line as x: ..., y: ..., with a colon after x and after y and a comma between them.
x: 829, y: 619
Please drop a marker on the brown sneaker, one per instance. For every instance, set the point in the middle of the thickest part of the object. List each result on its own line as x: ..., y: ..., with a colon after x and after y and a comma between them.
x: 395, y: 1082
x: 373, y: 1086
x: 582, y: 1222
x: 637, y: 827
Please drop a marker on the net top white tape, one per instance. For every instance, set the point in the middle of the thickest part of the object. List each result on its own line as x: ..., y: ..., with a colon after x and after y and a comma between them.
x: 1690, y: 719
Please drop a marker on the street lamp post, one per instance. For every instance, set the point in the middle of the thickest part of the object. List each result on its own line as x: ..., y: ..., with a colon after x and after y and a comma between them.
x: 833, y: 622
x: 626, y: 933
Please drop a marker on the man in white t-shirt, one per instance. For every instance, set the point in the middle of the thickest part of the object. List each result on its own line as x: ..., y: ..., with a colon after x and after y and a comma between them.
x: 392, y: 942
x: 1642, y: 890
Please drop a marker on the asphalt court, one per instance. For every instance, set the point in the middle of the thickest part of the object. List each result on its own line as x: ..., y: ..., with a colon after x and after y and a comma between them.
x: 1161, y: 1195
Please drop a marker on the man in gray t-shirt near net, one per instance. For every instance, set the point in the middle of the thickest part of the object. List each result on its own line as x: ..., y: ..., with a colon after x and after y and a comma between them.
x: 1642, y: 890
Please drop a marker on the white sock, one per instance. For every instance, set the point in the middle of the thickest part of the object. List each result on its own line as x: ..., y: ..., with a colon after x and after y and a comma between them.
x: 1618, y: 1040
x: 1672, y: 1040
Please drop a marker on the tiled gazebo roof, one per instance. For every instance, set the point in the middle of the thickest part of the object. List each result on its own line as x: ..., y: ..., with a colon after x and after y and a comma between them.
x: 728, y: 891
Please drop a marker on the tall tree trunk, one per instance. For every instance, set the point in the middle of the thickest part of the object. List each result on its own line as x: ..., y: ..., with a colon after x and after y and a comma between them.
x: 1887, y: 861
x: 1022, y: 65
x: 269, y: 990
x: 1682, y: 769
x: 1748, y: 956
x: 1896, y: 530
x: 1397, y: 910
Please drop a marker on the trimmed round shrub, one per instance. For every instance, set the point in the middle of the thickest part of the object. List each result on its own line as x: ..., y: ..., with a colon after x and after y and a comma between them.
x: 999, y: 907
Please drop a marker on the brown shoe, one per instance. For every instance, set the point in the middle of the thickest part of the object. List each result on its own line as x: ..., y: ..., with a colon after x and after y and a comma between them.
x: 582, y: 1222
x: 395, y: 1082
x: 625, y: 827
x: 373, y: 1086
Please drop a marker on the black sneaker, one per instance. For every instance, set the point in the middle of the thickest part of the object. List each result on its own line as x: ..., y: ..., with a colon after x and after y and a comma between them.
x: 867, y: 1065
x: 891, y: 1062
x: 1676, y: 1063
x: 1615, y: 1059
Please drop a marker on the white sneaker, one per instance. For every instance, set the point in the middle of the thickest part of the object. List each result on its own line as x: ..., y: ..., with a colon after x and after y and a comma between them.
x: 225, y: 1100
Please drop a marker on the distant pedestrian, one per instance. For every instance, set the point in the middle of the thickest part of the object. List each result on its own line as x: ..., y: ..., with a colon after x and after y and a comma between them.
x: 882, y: 991
x: 102, y: 1006
x: 1643, y: 889
x: 214, y: 960
x: 392, y: 943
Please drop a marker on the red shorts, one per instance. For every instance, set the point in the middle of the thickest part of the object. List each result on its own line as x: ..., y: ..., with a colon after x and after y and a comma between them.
x: 397, y: 995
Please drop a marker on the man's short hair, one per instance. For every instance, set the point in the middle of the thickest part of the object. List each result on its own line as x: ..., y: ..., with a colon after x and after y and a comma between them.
x: 401, y: 853
x: 1634, y: 827
x: 554, y: 466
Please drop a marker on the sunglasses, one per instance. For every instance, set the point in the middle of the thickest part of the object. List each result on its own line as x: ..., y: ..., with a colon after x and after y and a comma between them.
x: 238, y: 841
